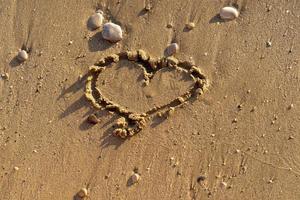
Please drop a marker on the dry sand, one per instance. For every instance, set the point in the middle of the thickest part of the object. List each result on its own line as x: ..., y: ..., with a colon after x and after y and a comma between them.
x: 239, y: 140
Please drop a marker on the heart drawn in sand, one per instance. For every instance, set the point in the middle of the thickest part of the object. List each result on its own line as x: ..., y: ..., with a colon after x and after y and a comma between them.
x: 150, y: 90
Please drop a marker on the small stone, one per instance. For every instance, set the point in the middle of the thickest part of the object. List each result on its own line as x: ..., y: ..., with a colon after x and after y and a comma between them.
x: 135, y: 178
x: 190, y: 25
x: 83, y: 192
x: 229, y: 13
x: 22, y: 55
x: 70, y: 42
x: 5, y: 76
x: 148, y: 7
x: 93, y: 119
x: 234, y: 120
x: 16, y: 168
x: 253, y: 109
x: 112, y: 32
x: 169, y: 25
x: 95, y: 21
x: 223, y: 184
x: 291, y: 137
x: 172, y: 49
x: 270, y: 181
x: 268, y: 43
x: 237, y: 151
x: 291, y: 106
x: 269, y: 8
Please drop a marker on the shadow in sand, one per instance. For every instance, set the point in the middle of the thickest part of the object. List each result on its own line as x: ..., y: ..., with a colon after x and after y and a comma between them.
x: 108, y: 139
x: 129, y: 182
x: 14, y: 62
x: 98, y: 43
x: 81, y: 102
x: 216, y: 19
x: 142, y: 12
x: 74, y: 87
x: 74, y: 107
x: 157, y: 121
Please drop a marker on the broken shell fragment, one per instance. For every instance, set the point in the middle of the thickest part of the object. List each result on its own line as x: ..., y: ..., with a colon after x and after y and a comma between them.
x: 22, y: 55
x: 95, y: 21
x: 229, y: 13
x: 172, y: 49
x: 112, y: 32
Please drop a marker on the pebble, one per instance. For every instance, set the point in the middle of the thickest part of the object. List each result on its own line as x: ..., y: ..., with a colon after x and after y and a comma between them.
x: 16, y: 168
x: 22, y: 55
x: 148, y: 7
x: 190, y: 25
x: 83, y: 192
x: 268, y: 43
x: 112, y: 32
x: 223, y: 184
x: 93, y: 119
x: 169, y: 25
x: 229, y: 13
x: 135, y: 178
x: 291, y: 106
x: 95, y: 21
x: 172, y: 49
x: 5, y: 76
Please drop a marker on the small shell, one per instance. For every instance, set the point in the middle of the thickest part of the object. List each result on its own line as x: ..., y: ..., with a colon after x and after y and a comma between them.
x: 112, y: 32
x: 22, y: 55
x: 172, y: 49
x: 229, y: 13
x: 95, y: 21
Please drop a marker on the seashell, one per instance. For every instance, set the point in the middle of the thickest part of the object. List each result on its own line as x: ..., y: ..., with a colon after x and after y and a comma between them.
x: 229, y: 13
x: 172, y: 49
x: 22, y: 55
x: 95, y: 21
x: 112, y: 32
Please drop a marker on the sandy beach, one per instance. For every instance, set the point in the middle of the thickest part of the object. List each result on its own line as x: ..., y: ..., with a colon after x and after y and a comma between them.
x: 219, y: 119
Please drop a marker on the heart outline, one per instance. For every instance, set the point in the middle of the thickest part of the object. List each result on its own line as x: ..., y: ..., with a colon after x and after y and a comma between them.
x: 131, y: 122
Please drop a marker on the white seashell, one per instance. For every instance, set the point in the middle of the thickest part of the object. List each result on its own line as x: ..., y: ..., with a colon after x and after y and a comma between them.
x: 95, y: 21
x: 22, y: 55
x: 229, y: 13
x: 112, y: 32
x: 172, y: 49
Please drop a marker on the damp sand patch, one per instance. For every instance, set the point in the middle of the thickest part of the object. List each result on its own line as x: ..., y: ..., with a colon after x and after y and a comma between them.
x: 147, y: 78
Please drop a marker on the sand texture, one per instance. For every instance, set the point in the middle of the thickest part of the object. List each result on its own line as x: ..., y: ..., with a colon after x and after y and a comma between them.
x: 220, y: 119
